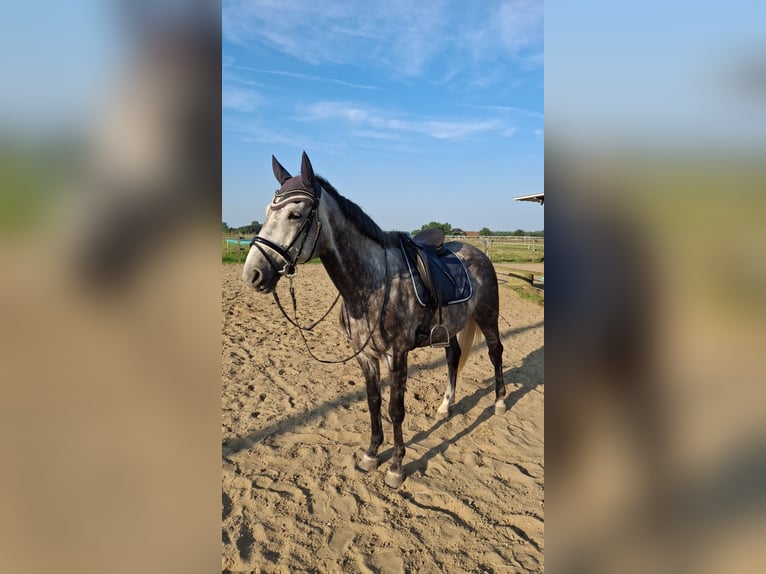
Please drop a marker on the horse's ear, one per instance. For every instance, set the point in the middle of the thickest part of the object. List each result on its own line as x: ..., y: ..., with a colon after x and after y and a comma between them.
x: 280, y: 173
x: 307, y: 172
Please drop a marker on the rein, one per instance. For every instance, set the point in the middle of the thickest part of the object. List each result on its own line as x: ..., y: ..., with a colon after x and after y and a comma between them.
x: 302, y: 329
x: 294, y: 322
x: 289, y: 269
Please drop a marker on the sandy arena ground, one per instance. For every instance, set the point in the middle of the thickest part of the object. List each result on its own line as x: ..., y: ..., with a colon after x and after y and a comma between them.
x: 293, y: 498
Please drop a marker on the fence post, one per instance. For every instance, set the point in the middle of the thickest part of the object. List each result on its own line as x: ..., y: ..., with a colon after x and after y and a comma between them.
x: 239, y: 248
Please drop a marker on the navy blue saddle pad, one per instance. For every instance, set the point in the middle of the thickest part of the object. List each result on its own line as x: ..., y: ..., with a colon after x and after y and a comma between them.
x: 446, y: 270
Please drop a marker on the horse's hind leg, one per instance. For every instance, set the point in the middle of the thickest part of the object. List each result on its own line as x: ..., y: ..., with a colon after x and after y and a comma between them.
x: 453, y: 358
x: 371, y: 368
x: 495, y: 347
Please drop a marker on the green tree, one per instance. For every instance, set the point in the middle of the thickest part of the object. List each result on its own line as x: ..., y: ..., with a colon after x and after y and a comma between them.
x: 484, y: 231
x: 445, y: 227
x: 251, y: 229
x: 225, y: 227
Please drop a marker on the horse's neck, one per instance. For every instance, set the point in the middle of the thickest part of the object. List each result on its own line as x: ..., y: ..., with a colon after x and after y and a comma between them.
x: 355, y: 263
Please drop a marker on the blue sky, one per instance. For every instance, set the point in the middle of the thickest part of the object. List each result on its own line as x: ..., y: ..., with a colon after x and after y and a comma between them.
x: 415, y: 111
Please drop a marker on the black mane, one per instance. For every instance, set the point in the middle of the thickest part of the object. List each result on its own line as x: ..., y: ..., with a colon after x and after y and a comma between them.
x: 354, y: 213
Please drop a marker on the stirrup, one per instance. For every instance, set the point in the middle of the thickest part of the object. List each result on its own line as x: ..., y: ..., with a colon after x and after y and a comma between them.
x: 439, y: 336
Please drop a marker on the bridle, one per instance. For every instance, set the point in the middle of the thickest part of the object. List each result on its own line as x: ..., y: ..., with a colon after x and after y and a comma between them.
x: 281, y: 199
x: 289, y: 269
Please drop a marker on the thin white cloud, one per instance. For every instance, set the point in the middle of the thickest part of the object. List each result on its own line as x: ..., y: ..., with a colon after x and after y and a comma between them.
x: 506, y: 109
x: 376, y: 135
x: 367, y: 119
x: 508, y: 29
x: 230, y: 76
x: 520, y: 26
x: 509, y: 132
x: 299, y: 76
x: 239, y: 99
x: 255, y: 131
x: 398, y: 35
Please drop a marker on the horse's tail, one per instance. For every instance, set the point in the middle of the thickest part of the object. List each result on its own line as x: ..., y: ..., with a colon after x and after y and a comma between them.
x: 465, y: 340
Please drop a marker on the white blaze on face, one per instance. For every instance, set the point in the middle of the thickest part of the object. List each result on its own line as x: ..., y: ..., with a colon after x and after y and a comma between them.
x: 283, y: 227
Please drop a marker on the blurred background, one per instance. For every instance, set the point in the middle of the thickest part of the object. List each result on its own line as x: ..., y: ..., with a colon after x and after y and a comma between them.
x: 656, y: 291
x: 110, y: 290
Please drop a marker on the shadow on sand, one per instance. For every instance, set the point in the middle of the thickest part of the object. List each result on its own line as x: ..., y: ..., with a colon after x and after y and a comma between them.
x: 233, y: 446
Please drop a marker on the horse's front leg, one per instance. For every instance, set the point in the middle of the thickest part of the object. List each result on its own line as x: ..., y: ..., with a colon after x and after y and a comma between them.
x: 371, y: 368
x: 395, y: 475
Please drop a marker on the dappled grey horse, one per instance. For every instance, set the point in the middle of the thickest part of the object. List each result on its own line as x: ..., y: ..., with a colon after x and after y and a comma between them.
x: 381, y: 313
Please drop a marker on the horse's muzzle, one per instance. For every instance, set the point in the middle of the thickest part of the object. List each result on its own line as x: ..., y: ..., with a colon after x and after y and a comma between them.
x: 261, y: 282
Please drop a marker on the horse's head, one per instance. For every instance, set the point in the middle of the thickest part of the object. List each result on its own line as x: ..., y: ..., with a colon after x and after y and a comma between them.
x: 290, y: 232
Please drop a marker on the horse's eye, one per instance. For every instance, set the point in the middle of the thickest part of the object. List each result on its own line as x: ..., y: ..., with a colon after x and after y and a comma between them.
x: 294, y: 215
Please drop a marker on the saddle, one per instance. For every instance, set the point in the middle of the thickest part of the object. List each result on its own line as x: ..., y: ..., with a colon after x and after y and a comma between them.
x: 438, y: 275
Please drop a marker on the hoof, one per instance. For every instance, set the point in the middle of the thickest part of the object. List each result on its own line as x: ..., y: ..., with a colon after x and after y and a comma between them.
x: 500, y: 408
x: 443, y: 414
x: 394, y: 479
x: 369, y: 463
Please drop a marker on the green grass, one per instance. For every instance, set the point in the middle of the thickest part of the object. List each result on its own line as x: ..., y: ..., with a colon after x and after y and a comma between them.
x: 525, y: 290
x: 230, y: 256
x: 507, y: 250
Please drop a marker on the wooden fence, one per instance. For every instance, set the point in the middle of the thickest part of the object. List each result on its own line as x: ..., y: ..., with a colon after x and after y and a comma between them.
x: 497, y: 248
x: 507, y: 247
x: 240, y: 245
